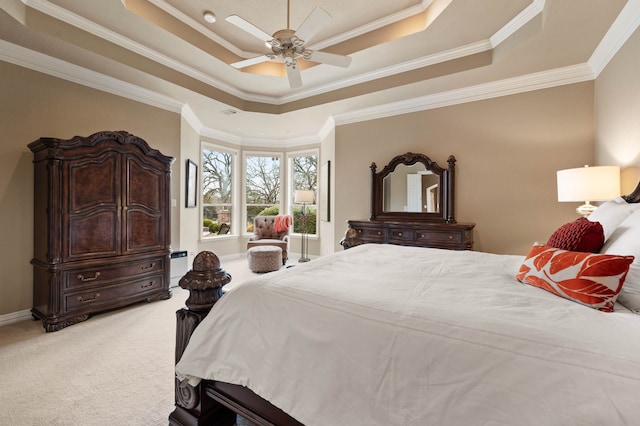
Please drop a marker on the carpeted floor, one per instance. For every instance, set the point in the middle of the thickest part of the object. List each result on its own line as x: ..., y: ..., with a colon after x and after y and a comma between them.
x: 114, y: 369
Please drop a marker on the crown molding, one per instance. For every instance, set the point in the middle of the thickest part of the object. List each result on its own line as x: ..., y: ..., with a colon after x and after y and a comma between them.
x: 459, y: 52
x: 372, y: 26
x: 91, y: 27
x: 622, y: 28
x: 201, y: 28
x: 40, y: 62
x: 510, y: 86
x: 625, y: 24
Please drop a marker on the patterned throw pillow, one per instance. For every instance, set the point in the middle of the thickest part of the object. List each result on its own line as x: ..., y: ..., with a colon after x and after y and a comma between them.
x: 579, y: 235
x: 590, y: 279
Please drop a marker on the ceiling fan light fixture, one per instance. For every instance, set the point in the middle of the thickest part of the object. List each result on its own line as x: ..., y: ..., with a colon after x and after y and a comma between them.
x: 288, y: 45
x: 208, y: 16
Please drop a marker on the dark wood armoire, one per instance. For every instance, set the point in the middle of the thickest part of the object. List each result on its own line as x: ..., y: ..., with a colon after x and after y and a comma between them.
x: 101, y: 225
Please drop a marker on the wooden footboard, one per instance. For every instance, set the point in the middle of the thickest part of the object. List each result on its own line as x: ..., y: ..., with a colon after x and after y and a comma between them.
x: 213, y: 403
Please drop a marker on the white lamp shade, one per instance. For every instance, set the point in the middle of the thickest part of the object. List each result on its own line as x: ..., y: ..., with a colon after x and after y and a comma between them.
x: 303, y: 196
x: 589, y: 183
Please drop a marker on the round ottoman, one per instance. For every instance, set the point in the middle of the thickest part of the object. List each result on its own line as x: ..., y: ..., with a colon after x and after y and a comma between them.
x: 264, y: 258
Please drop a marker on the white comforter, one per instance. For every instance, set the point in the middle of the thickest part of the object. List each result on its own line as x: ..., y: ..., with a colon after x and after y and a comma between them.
x: 387, y: 335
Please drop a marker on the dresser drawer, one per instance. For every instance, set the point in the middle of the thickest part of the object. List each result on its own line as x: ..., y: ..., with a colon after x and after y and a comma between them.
x: 438, y: 237
x: 372, y: 235
x: 100, y: 274
x: 112, y: 295
x: 400, y: 235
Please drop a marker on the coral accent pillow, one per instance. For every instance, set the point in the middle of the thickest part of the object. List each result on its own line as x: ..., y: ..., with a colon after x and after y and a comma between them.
x: 579, y: 235
x: 594, y: 280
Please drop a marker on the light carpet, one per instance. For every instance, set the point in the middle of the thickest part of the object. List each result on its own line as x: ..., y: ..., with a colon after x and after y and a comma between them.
x: 116, y: 368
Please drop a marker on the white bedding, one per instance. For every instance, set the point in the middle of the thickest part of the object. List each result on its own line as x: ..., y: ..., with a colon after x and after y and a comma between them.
x: 389, y: 335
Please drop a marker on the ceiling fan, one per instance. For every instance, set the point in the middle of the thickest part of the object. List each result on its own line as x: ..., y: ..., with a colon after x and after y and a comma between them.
x: 288, y: 45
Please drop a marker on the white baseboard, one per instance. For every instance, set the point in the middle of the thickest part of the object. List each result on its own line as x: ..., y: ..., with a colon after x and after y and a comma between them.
x: 15, y: 317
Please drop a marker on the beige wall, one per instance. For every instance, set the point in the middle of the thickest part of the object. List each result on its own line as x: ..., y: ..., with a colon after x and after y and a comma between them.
x: 617, y: 113
x: 34, y: 105
x: 508, y: 151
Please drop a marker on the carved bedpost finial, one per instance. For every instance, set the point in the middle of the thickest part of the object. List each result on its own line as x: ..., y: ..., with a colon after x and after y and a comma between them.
x: 204, y: 281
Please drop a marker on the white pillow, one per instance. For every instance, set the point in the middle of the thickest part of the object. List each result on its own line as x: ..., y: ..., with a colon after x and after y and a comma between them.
x: 625, y: 240
x: 611, y: 214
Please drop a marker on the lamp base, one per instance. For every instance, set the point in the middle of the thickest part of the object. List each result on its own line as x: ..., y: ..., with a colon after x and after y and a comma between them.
x: 586, y: 209
x: 303, y: 259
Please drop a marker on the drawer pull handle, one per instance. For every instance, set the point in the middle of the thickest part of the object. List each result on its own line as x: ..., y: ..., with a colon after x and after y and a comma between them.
x: 90, y: 299
x: 147, y: 285
x: 399, y: 234
x: 451, y: 237
x: 379, y: 232
x: 85, y: 279
x: 146, y: 268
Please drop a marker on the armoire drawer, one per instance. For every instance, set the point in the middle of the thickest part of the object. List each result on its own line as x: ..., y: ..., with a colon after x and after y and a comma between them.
x: 104, y: 273
x: 111, y: 295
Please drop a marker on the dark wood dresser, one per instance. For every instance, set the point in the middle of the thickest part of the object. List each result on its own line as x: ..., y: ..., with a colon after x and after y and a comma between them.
x: 101, y: 226
x: 412, y: 204
x: 454, y: 236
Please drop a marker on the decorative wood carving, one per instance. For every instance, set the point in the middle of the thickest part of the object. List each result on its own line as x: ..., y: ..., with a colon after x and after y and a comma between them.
x: 204, y: 282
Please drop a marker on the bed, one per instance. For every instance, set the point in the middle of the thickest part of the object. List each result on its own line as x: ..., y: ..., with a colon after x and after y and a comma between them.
x: 392, y: 335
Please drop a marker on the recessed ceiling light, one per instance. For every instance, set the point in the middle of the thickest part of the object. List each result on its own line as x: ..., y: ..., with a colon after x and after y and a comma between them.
x: 209, y: 17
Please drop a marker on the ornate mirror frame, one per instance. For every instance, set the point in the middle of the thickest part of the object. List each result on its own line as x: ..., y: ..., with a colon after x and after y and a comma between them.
x: 445, y: 195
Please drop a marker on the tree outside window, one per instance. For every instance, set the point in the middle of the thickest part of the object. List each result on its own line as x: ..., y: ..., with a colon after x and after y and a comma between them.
x: 217, y: 191
x: 262, y: 180
x: 304, y: 176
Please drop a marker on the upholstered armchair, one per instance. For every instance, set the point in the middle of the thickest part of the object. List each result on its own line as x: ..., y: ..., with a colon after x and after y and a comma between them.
x: 271, y: 231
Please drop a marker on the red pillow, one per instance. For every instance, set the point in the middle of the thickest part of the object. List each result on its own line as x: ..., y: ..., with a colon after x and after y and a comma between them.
x: 579, y: 235
x: 590, y: 279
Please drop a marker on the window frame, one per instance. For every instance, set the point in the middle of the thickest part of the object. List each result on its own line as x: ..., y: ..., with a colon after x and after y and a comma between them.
x: 281, y: 177
x: 233, y: 231
x: 291, y: 190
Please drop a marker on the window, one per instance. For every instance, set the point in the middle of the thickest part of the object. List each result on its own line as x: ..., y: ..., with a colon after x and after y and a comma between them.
x: 262, y: 184
x: 217, y: 190
x: 303, y: 174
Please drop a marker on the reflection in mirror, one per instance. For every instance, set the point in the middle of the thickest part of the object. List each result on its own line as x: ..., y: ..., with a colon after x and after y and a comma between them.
x: 411, y: 188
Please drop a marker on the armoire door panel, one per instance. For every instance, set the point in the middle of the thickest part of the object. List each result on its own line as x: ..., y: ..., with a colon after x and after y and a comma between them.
x: 144, y: 231
x: 94, y: 182
x: 144, y: 186
x: 93, y: 235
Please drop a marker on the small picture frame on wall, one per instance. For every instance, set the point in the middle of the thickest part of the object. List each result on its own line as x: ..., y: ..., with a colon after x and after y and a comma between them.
x: 191, y: 184
x: 325, y: 183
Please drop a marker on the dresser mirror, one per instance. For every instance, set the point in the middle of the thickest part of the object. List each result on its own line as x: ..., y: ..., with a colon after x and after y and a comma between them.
x: 412, y: 187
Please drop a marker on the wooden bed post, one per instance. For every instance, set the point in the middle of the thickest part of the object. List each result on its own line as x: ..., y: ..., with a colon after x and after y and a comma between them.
x: 204, y: 282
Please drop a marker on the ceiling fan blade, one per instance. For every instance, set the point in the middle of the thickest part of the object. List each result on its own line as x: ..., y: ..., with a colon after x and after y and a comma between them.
x: 249, y: 27
x: 293, y: 73
x: 251, y: 61
x: 328, y: 58
x: 316, y: 20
